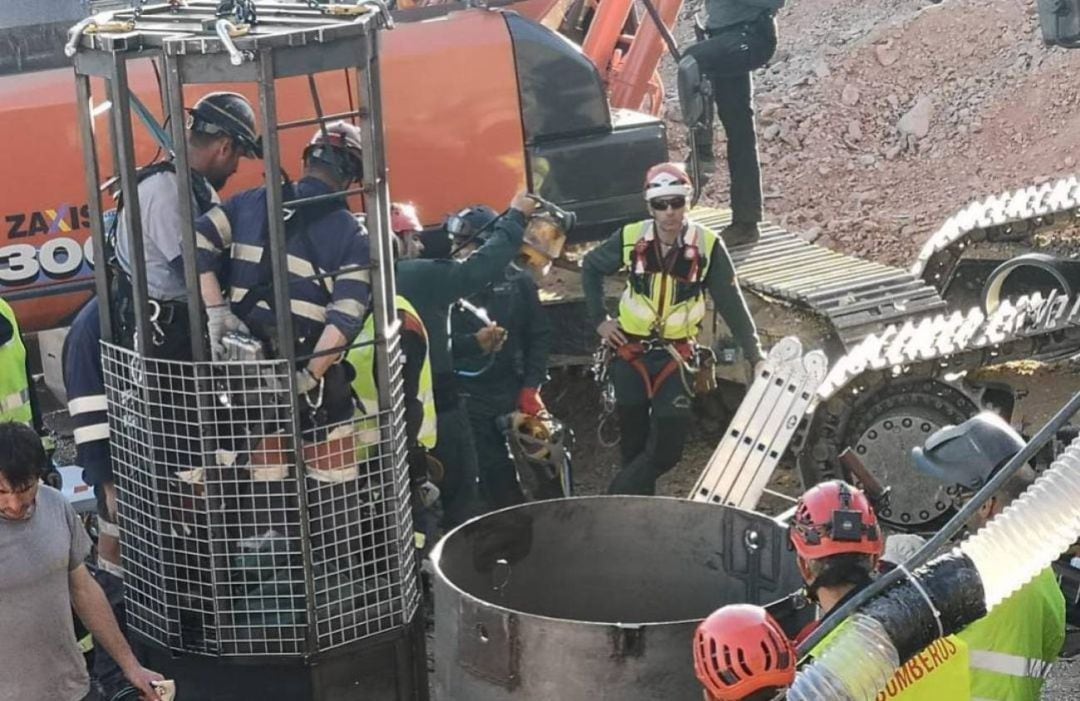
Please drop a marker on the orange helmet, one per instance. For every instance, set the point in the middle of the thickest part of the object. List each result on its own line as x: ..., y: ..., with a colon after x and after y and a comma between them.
x: 667, y: 180
x: 834, y: 518
x: 403, y: 218
x: 740, y: 650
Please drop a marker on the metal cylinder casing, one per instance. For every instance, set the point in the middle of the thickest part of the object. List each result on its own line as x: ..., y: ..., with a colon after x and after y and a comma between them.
x: 594, y: 597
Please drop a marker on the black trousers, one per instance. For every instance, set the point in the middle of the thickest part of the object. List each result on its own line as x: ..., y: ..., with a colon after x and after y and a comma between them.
x: 727, y: 57
x: 499, y: 485
x: 457, y: 452
x: 653, y: 430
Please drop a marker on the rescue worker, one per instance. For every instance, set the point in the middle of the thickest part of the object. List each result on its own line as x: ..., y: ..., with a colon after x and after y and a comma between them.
x: 739, y: 36
x: 672, y: 261
x: 837, y: 556
x: 742, y: 654
x: 419, y: 395
x: 432, y: 286
x: 499, y: 377
x: 1014, y: 646
x: 16, y: 389
x: 329, y: 276
x: 221, y: 130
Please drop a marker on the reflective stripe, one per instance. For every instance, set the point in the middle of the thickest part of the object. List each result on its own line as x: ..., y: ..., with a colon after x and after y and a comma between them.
x: 246, y: 252
x: 14, y: 401
x: 308, y: 310
x: 236, y: 294
x: 205, y: 243
x: 1012, y: 665
x: 84, y: 405
x: 94, y: 432
x: 356, y: 275
x: 220, y: 220
x: 349, y: 307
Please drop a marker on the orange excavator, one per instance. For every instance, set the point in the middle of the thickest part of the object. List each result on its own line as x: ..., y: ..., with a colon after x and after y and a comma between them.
x: 478, y: 102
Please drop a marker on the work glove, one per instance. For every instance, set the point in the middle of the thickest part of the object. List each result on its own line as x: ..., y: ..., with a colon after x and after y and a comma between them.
x: 305, y: 381
x: 529, y: 402
x: 220, y: 320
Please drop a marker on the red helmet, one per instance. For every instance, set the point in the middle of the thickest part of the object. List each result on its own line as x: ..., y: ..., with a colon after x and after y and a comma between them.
x: 403, y: 218
x: 667, y: 180
x: 834, y: 518
x: 740, y: 650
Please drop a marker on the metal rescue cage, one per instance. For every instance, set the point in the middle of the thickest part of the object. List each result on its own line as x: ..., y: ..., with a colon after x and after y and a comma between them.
x: 236, y: 542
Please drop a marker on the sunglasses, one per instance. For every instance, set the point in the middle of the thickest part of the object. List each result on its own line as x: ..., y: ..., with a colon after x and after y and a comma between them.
x: 664, y: 205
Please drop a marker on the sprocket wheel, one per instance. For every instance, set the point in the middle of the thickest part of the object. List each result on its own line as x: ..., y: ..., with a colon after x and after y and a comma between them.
x: 882, y: 426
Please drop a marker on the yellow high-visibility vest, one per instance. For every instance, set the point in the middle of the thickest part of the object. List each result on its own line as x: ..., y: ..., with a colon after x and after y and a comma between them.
x: 938, y: 671
x: 14, y: 385
x: 659, y: 304
x: 1014, y: 646
x: 363, y: 361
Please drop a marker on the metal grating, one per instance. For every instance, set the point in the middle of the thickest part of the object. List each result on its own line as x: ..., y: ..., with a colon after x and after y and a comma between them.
x: 213, y: 522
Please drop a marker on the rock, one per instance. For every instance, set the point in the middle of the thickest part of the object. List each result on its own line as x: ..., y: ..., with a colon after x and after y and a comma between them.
x: 892, y: 152
x: 821, y: 69
x: 811, y: 234
x: 854, y: 130
x: 916, y: 121
x: 771, y: 132
x: 823, y: 170
x: 849, y: 95
x: 790, y: 139
x: 867, y: 159
x: 1069, y: 161
x: 885, y: 54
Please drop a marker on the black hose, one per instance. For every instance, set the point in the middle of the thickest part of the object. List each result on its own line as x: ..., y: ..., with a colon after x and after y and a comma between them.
x: 665, y: 33
x: 920, y: 558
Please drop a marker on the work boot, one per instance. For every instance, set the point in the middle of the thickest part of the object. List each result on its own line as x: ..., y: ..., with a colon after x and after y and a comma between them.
x: 740, y: 233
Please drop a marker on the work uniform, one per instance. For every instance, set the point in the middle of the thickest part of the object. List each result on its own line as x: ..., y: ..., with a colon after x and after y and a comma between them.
x: 433, y: 286
x: 661, y: 311
x: 740, y: 38
x: 1014, y: 646
x: 15, y: 388
x: 329, y: 277
x: 162, y: 248
x: 938, y: 671
x: 421, y: 431
x: 491, y: 383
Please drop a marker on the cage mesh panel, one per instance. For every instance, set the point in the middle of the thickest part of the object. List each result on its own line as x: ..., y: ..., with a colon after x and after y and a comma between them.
x: 211, y: 515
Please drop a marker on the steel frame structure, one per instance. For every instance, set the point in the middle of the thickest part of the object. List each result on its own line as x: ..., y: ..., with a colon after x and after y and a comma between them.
x: 187, y: 41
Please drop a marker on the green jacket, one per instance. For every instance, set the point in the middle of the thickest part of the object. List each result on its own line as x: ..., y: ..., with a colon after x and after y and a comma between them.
x: 607, y: 259
x: 1013, y: 646
x: 433, y: 285
x: 512, y: 302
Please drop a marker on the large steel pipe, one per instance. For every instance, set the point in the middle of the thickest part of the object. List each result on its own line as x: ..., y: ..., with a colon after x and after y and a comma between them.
x: 594, y: 597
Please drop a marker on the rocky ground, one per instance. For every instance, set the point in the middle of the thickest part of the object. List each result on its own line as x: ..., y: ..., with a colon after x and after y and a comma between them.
x: 878, y: 119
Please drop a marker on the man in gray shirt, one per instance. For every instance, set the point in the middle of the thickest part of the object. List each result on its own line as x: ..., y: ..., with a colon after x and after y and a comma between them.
x: 739, y: 36
x: 43, y: 578
x: 221, y: 131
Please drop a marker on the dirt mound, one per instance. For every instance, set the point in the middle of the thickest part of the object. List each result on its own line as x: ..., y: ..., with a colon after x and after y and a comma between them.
x: 878, y: 119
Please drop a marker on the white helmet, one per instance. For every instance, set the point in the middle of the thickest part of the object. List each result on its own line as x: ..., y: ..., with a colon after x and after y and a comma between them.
x: 667, y: 180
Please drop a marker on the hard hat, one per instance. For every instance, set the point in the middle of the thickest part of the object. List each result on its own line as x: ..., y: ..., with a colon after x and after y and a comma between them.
x: 470, y: 221
x: 535, y: 433
x: 740, y: 650
x: 540, y: 446
x: 403, y: 218
x: 834, y: 518
x: 667, y: 180
x: 968, y: 454
x: 340, y: 147
x: 229, y: 114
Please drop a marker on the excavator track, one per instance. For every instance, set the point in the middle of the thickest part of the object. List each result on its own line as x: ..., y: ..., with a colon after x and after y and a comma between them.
x: 897, y: 387
x: 999, y: 227
x: 857, y: 297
